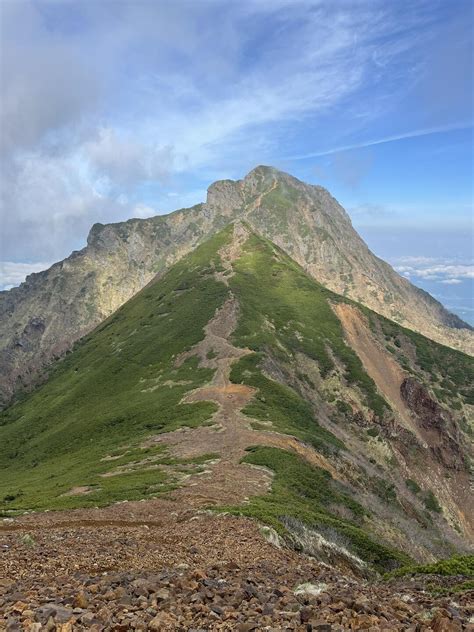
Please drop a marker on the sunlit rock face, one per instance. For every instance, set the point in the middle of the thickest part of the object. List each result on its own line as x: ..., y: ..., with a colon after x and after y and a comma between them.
x: 41, y: 319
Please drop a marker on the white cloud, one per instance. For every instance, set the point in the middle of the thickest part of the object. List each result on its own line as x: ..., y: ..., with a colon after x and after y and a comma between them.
x: 124, y: 160
x: 46, y: 82
x: 417, y: 260
x: 387, y: 139
x: 432, y: 269
x: 370, y: 210
x: 142, y: 211
x: 70, y: 158
x: 451, y: 281
x: 12, y: 274
x: 98, y: 105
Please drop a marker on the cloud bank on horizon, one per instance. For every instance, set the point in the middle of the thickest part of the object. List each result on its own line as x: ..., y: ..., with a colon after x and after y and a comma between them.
x: 113, y: 110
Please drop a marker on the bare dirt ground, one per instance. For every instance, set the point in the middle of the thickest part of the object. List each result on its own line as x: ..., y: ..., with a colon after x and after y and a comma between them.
x: 378, y: 363
x: 455, y: 492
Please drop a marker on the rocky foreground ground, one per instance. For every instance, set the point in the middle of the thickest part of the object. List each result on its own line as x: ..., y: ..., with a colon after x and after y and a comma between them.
x: 146, y: 566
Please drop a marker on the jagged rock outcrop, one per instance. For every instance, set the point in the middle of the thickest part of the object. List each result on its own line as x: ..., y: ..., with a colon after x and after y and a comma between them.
x: 41, y: 319
x: 438, y: 427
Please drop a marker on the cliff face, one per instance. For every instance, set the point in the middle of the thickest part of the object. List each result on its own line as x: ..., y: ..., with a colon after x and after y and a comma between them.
x: 41, y: 319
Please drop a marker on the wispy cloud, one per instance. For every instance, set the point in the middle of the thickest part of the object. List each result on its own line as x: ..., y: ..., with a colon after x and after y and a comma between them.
x: 445, y: 271
x: 387, y: 139
x: 106, y: 113
x: 451, y: 281
x: 203, y: 89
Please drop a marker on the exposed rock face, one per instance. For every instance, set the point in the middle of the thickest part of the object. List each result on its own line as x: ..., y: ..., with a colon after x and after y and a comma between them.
x: 439, y: 429
x: 41, y: 319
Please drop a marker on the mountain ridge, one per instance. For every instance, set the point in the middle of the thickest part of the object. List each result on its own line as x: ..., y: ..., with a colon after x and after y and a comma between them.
x: 240, y: 346
x: 237, y: 443
x: 51, y: 309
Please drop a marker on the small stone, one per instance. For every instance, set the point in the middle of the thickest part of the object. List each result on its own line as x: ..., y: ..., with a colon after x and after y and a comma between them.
x: 104, y: 615
x: 50, y: 625
x: 140, y: 587
x: 246, y: 627
x: 268, y: 608
x: 320, y: 626
x: 160, y: 622
x: 162, y: 594
x: 81, y: 600
x: 43, y: 613
x: 305, y: 615
x: 87, y: 618
x: 218, y: 610
x: 443, y: 624
x: 63, y: 614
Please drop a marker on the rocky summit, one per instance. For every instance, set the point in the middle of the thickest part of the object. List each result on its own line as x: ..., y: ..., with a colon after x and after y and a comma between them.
x: 41, y: 319
x: 239, y: 447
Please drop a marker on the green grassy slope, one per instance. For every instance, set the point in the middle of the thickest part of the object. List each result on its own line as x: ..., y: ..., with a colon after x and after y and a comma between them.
x: 107, y: 394
x: 120, y: 385
x: 310, y: 495
x: 283, y: 312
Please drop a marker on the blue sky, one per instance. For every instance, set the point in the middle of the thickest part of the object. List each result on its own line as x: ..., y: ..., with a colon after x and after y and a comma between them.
x: 113, y: 109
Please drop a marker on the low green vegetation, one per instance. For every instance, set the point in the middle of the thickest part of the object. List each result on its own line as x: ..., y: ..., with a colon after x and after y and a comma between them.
x: 310, y: 495
x: 431, y: 502
x: 284, y: 312
x: 413, y: 486
x: 427, y: 497
x: 454, y: 589
x: 384, y: 489
x: 452, y: 370
x: 118, y: 386
x: 282, y: 406
x: 457, y: 565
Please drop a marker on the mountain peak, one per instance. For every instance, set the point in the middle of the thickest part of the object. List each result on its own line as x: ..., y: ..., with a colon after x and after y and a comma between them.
x: 263, y: 174
x: 305, y: 221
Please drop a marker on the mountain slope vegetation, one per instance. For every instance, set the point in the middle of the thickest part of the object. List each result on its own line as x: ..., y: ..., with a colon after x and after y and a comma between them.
x: 41, y: 319
x: 118, y: 385
x: 236, y: 358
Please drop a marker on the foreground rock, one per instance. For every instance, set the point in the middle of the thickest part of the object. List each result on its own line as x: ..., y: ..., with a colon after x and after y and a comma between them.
x: 192, y: 571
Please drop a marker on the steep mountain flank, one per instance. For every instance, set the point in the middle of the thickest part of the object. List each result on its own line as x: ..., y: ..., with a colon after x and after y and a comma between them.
x: 233, y: 382
x: 42, y: 318
x: 247, y: 414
